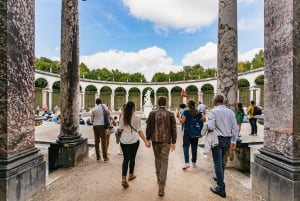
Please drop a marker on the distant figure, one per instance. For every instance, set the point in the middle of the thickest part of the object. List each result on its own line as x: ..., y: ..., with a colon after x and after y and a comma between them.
x: 37, y: 110
x: 55, y: 109
x: 97, y: 119
x: 182, y: 108
x: 81, y: 121
x: 222, y: 121
x: 130, y: 124
x: 162, y: 131
x: 202, y: 107
x: 252, y: 120
x: 240, y: 117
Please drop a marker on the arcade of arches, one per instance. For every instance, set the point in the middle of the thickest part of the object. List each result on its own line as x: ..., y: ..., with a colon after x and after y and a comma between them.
x: 199, y: 90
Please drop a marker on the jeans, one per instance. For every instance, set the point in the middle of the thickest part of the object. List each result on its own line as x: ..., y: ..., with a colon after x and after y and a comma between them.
x: 253, y: 125
x: 161, y: 154
x: 129, y: 154
x: 100, y: 132
x: 218, y: 154
x: 187, y: 141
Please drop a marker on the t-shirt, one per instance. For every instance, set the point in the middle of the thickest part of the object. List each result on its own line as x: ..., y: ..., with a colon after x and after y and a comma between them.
x: 129, y: 135
x: 97, y: 112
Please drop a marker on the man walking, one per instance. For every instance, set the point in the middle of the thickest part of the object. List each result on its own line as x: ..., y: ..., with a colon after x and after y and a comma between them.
x: 161, y: 130
x: 222, y: 121
x: 252, y: 120
x: 97, y: 119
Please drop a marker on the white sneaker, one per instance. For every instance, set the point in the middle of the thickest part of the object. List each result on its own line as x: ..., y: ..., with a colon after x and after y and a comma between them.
x: 186, y: 166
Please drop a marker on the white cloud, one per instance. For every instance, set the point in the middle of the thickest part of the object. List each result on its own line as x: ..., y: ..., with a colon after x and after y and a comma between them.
x: 189, y: 15
x: 248, y: 56
x: 250, y: 24
x: 207, y: 56
x: 147, y: 61
x: 246, y: 1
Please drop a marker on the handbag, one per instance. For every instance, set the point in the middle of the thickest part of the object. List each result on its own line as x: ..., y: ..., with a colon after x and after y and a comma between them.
x: 118, y: 134
x: 106, y: 119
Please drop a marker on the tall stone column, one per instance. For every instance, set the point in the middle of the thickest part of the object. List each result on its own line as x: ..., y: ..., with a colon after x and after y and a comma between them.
x: 112, y: 100
x: 83, y: 101
x: 170, y: 98
x: 257, y: 96
x: 126, y: 96
x: 227, y: 75
x: 200, y: 96
x: 44, y: 97
x: 141, y: 101
x: 70, y: 148
x: 276, y: 169
x: 50, y: 101
x: 251, y: 93
x: 22, y: 167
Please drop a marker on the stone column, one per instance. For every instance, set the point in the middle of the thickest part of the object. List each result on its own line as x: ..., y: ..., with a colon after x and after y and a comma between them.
x: 170, y: 98
x: 44, y: 97
x: 155, y: 99
x: 200, y: 96
x: 70, y: 148
x: 238, y: 96
x: 276, y: 169
x: 227, y: 76
x: 257, y: 95
x: 126, y: 96
x: 251, y: 93
x: 83, y: 101
x: 112, y: 100
x: 141, y: 101
x: 22, y: 167
x: 50, y: 101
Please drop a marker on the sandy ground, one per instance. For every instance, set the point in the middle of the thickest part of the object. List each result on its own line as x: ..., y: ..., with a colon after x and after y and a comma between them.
x: 99, y: 181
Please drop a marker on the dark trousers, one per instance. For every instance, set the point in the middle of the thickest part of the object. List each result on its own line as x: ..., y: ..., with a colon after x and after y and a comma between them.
x: 187, y: 142
x: 253, y: 125
x: 100, y: 133
x: 218, y: 154
x: 129, y: 154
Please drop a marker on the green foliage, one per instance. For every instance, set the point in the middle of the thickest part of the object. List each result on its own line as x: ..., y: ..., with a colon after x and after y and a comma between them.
x: 243, y: 83
x: 259, y: 80
x: 41, y: 83
x: 83, y: 69
x: 259, y: 60
x: 46, y: 64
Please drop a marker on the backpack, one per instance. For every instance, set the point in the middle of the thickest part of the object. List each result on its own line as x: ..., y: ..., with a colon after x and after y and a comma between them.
x: 257, y: 111
x: 194, y: 125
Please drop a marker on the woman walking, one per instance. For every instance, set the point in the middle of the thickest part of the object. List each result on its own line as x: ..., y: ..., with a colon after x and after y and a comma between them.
x: 240, y: 117
x: 193, y: 123
x: 130, y: 125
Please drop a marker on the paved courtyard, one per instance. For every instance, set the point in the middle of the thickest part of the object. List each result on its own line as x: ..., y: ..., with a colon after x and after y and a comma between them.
x: 99, y: 181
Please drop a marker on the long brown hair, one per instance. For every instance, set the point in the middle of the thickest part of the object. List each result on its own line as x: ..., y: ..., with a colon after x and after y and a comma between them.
x: 192, y: 107
x: 128, y: 111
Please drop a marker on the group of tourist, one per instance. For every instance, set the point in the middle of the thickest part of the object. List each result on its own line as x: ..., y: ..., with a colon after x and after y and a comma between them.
x: 161, y: 134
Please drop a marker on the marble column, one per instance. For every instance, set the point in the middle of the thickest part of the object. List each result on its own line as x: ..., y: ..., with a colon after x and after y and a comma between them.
x: 257, y: 96
x: 251, y: 93
x: 112, y: 100
x: 200, y: 96
x: 83, y: 101
x: 126, y: 96
x: 276, y: 168
x: 141, y: 101
x: 227, y: 76
x: 44, y: 97
x: 70, y: 149
x: 50, y: 101
x: 170, y: 99
x: 22, y: 167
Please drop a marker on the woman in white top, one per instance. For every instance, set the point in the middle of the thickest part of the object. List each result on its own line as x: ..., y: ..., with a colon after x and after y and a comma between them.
x: 130, y: 124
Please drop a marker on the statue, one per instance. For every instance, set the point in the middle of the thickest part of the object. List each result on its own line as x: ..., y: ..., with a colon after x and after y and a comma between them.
x: 147, y: 98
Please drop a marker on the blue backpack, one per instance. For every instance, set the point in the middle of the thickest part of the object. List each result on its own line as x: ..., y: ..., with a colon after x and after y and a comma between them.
x: 193, y: 124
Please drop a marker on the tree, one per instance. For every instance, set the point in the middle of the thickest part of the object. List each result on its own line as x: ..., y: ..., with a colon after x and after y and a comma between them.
x: 46, y: 64
x: 259, y: 60
x: 83, y: 69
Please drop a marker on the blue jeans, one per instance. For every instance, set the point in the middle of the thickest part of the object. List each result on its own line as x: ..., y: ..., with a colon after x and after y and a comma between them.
x: 218, y: 154
x: 187, y: 141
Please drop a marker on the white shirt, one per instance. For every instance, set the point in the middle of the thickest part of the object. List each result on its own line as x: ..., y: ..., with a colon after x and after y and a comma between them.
x: 97, y: 112
x: 222, y: 120
x: 129, y: 135
x: 202, y: 108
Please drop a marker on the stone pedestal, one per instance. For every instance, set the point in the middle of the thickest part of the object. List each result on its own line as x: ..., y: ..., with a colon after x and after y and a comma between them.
x: 22, y: 175
x: 67, y: 154
x: 276, y: 169
x: 147, y: 110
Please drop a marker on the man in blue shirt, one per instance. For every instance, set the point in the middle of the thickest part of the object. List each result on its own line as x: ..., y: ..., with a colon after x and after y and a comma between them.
x: 222, y: 121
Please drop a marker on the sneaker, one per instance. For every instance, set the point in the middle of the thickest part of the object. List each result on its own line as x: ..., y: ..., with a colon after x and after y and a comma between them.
x: 194, y: 165
x: 186, y: 166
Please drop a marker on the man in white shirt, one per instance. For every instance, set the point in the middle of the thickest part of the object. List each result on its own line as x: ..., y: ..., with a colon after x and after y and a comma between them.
x: 97, y: 119
x: 223, y: 122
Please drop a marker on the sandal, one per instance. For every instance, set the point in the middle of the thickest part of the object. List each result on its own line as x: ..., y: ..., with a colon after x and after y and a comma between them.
x: 125, y: 184
x: 132, y: 177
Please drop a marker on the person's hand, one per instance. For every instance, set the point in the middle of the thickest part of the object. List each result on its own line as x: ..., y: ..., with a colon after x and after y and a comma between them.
x: 172, y: 148
x: 203, y: 118
x: 148, y: 143
x: 232, y: 146
x: 177, y: 115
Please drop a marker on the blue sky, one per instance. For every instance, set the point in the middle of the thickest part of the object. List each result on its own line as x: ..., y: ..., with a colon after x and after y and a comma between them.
x: 148, y: 35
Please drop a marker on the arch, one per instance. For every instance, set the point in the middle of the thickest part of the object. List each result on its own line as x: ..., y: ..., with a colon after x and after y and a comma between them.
x: 55, y: 94
x: 120, y: 98
x: 105, y: 95
x: 163, y: 91
x: 192, y: 92
x: 89, y: 96
x: 208, y: 94
x: 176, y: 97
x: 244, y: 91
x: 134, y: 94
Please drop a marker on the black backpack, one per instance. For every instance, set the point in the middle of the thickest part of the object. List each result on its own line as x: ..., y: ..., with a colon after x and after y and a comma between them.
x: 257, y: 111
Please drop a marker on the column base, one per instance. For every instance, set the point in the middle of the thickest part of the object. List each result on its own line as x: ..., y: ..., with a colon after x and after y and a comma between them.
x: 22, y: 175
x: 276, y: 177
x: 67, y: 152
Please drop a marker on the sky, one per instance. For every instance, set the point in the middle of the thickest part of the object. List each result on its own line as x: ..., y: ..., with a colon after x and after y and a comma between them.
x: 148, y: 36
